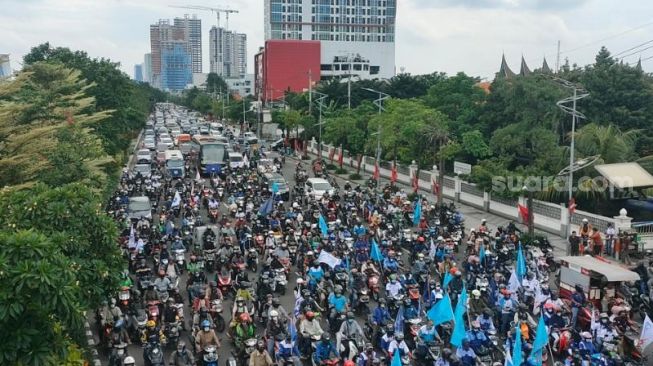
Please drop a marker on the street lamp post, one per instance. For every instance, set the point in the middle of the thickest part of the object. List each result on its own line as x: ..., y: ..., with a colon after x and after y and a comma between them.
x: 320, y: 103
x: 379, y: 103
x: 575, y: 115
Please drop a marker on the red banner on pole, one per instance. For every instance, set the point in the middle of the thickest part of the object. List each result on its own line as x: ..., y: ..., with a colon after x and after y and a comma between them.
x: 435, y: 186
x: 341, y: 157
x: 331, y: 154
x: 376, y: 172
x: 416, y: 181
x: 572, y: 206
x: 393, y: 173
x: 523, y: 213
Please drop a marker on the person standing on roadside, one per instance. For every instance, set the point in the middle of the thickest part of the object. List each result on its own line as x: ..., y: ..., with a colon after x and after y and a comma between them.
x: 597, y: 241
x: 574, y: 243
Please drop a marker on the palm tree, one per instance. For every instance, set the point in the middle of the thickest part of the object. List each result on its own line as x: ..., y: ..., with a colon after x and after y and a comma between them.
x: 608, y: 141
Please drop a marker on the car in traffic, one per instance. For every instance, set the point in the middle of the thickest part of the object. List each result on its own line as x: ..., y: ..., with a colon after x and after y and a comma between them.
x: 167, y: 141
x: 236, y: 160
x: 144, y: 156
x: 148, y: 143
x: 266, y: 166
x: 276, y: 179
x: 317, y: 187
x: 139, y: 207
x: 145, y: 170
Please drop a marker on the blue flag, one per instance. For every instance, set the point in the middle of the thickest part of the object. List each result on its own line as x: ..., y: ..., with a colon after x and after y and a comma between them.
x: 541, y: 339
x: 516, y: 349
x: 441, y: 312
x: 266, y: 207
x: 399, y: 320
x: 459, y: 330
x: 323, y: 226
x: 521, y: 265
x: 445, y: 282
x: 275, y: 187
x: 375, y: 252
x: 396, y: 358
x: 481, y: 253
x: 292, y: 330
x: 417, y: 214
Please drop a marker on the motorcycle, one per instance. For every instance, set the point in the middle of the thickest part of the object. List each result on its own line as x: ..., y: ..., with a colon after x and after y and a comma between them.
x: 210, y: 356
x: 180, y: 259
x: 153, y: 309
x: 252, y: 259
x: 280, y: 281
x: 172, y: 331
x: 214, y: 215
x: 362, y: 307
x: 224, y: 282
x: 209, y: 259
x: 216, y: 314
x: 153, y: 355
x: 124, y: 296
x: 118, y: 354
x: 373, y: 285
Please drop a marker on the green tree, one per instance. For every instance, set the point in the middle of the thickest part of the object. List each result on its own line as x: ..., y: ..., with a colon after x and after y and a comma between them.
x: 348, y: 128
x: 216, y: 84
x: 39, y: 308
x: 612, y: 144
x: 37, y: 110
x: 72, y: 217
x: 474, y: 145
x: 288, y: 120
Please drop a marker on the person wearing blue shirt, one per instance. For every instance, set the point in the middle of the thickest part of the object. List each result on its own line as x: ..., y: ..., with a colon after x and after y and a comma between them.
x: 427, y: 333
x: 315, y: 274
x: 381, y: 314
x: 577, y: 301
x: 390, y: 263
x: 359, y: 229
x: 337, y: 301
x: 485, y: 319
x: 324, y: 349
x: 466, y: 354
x: 586, y: 346
x: 410, y: 311
x: 476, y: 337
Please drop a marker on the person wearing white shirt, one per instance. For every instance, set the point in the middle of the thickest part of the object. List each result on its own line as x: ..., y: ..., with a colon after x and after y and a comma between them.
x: 398, y: 343
x: 610, y: 234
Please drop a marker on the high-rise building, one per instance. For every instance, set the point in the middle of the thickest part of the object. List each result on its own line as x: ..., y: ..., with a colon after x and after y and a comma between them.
x: 5, y: 67
x: 193, y: 30
x: 147, y: 68
x: 173, y: 42
x: 357, y: 37
x: 176, y: 66
x: 138, y: 72
x: 227, y: 53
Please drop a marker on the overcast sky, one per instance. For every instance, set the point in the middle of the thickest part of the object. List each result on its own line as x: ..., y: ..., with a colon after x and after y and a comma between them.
x: 432, y: 35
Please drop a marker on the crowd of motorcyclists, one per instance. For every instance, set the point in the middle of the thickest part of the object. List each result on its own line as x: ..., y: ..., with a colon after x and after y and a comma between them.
x: 366, y: 270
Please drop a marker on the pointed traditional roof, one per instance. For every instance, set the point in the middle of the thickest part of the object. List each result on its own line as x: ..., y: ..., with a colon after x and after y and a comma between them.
x: 638, y: 67
x: 524, y: 70
x: 545, y: 68
x: 505, y: 71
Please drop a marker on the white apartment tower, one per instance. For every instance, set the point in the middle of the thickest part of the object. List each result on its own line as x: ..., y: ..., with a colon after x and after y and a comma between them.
x: 227, y: 53
x: 357, y: 37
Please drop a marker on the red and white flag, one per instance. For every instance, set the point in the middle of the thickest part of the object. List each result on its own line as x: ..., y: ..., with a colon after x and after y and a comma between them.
x: 572, y: 205
x: 523, y: 213
x: 435, y: 186
x: 416, y: 182
x: 331, y: 154
x: 393, y: 173
x: 376, y: 172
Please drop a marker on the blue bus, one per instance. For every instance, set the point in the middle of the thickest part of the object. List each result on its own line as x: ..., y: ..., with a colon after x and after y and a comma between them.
x: 211, y: 154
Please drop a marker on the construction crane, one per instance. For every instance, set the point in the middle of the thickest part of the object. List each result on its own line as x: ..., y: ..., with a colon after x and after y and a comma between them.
x: 217, y: 12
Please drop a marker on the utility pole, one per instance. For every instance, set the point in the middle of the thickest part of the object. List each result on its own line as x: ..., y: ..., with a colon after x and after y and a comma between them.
x: 349, y: 86
x: 310, y: 91
x: 558, y: 59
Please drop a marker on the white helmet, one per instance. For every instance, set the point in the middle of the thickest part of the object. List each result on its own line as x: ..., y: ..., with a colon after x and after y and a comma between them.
x: 129, y: 361
x: 584, y: 220
x: 476, y: 293
x: 274, y: 313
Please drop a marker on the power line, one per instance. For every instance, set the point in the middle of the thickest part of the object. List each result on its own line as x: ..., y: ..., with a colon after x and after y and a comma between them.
x: 632, y: 48
x: 637, y: 52
x: 608, y: 37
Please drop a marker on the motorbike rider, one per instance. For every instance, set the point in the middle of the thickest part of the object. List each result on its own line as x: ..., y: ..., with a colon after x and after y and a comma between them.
x: 309, y: 328
x: 274, y: 329
x: 604, y: 331
x: 260, y: 357
x: 244, y: 328
x: 507, y: 306
x: 286, y: 349
x: 445, y: 358
x: 394, y: 287
x: 586, y: 347
x: 109, y: 312
x: 577, y: 301
x: 119, y: 333
x: 427, y: 332
x: 485, y: 319
x: 153, y: 333
x: 337, y: 302
x: 181, y: 356
x: 281, y: 312
x: 466, y: 354
x: 349, y: 329
x: 324, y: 349
x: 398, y: 343
x: 205, y: 337
x: 315, y: 274
x: 390, y: 263
x: 530, y: 285
x: 367, y: 358
x: 381, y: 314
x: 476, y: 337
x: 170, y: 311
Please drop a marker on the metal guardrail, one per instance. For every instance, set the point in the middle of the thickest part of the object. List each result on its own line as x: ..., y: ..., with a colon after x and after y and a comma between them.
x: 449, y: 183
x: 425, y: 175
x: 548, y: 210
x: 471, y: 189
x: 596, y: 221
x: 504, y: 200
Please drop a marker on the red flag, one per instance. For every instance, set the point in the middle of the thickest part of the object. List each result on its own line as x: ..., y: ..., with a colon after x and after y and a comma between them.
x: 331, y: 154
x: 341, y: 158
x: 376, y: 172
x: 523, y: 213
x: 435, y: 186
x: 416, y: 182
x: 393, y: 173
x: 572, y: 205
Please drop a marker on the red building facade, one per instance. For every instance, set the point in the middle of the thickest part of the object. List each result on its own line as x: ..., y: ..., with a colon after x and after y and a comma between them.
x: 286, y: 65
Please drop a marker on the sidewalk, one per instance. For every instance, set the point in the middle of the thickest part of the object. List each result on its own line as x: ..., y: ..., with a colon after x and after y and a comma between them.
x: 473, y: 216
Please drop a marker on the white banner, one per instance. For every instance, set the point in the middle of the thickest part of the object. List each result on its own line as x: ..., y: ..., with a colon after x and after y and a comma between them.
x: 647, y: 333
x: 329, y: 259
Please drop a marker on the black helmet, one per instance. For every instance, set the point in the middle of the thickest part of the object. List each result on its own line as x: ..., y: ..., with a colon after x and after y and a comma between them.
x: 276, y: 301
x: 326, y: 337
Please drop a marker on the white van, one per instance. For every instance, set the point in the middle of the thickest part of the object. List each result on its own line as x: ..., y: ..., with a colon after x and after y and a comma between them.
x: 317, y: 187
